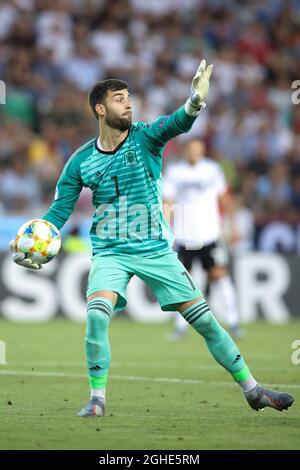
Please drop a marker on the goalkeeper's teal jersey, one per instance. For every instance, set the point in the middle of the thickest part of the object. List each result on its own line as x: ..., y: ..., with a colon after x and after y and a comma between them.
x: 127, y: 189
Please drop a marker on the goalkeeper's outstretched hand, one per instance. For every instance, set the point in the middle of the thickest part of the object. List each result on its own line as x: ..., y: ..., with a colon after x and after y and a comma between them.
x: 199, y: 89
x: 19, y: 258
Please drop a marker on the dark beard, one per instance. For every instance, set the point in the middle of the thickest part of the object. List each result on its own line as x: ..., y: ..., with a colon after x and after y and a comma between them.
x: 116, y: 122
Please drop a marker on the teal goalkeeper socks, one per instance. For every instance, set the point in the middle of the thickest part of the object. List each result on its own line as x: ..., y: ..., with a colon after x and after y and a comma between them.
x: 97, y: 346
x: 219, y: 342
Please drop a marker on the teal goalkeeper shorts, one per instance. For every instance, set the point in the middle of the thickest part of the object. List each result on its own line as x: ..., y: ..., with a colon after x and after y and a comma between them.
x: 165, y: 275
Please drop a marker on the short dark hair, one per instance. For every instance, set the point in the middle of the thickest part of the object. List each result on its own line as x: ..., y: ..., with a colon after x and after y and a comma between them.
x: 99, y: 92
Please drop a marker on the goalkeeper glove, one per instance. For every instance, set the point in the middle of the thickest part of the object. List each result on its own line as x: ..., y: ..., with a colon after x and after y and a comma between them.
x: 199, y: 89
x: 19, y: 258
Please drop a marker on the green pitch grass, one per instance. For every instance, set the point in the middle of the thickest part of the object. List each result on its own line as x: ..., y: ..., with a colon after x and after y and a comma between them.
x: 161, y: 395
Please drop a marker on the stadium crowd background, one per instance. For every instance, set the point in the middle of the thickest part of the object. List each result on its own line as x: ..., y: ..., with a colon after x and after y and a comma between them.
x: 53, y: 51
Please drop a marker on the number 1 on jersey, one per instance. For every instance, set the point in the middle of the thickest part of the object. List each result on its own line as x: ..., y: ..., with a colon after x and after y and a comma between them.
x: 115, y: 178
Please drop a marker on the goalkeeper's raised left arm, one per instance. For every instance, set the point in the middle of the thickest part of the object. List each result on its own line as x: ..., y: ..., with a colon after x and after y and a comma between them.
x: 169, y: 126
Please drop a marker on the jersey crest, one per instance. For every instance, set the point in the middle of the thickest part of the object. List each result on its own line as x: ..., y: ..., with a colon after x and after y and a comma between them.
x: 130, y: 158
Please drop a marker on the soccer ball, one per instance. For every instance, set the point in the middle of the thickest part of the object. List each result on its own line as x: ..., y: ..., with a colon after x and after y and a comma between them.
x: 39, y: 240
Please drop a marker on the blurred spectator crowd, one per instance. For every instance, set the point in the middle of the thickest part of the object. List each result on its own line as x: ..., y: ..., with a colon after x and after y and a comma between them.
x: 53, y: 51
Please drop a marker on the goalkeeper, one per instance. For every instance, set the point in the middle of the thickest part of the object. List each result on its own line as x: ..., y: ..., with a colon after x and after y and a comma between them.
x: 130, y: 237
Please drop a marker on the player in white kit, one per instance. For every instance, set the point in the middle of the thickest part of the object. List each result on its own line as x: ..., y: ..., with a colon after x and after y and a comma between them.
x: 196, y: 189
